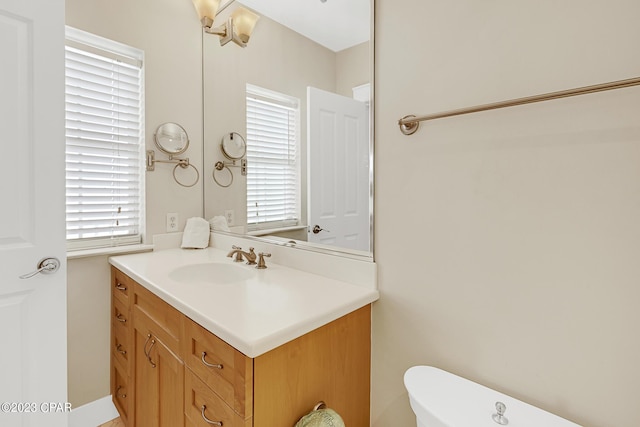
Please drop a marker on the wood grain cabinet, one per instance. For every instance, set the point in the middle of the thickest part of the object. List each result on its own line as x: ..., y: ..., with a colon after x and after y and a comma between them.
x: 176, y: 373
x: 159, y: 369
x: 121, y: 344
x: 219, y: 380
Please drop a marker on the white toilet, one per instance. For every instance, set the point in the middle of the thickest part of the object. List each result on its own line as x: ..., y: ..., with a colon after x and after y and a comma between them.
x: 441, y: 399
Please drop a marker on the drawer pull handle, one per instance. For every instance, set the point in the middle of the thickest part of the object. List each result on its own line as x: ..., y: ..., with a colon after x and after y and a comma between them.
x: 119, y: 350
x: 216, y: 365
x: 123, y: 396
x: 120, y: 287
x: 148, y: 352
x: 119, y: 318
x: 204, y: 417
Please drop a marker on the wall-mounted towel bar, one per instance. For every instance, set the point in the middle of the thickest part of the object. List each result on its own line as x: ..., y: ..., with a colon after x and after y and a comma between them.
x: 409, y: 124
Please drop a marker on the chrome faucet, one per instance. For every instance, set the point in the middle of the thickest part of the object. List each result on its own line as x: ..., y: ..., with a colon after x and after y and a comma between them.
x: 239, y: 253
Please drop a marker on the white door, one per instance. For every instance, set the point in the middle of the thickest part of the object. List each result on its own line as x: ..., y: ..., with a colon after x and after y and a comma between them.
x: 338, y: 170
x: 33, y: 330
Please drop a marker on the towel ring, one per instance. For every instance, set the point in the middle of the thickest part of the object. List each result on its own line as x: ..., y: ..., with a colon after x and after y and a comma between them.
x: 218, y: 167
x: 234, y: 148
x: 184, y: 165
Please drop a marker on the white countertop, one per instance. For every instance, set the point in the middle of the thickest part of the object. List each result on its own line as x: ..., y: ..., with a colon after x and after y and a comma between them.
x: 256, y: 315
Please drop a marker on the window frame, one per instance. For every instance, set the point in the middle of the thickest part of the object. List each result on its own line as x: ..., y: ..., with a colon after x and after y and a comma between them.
x: 286, y: 102
x: 92, y: 44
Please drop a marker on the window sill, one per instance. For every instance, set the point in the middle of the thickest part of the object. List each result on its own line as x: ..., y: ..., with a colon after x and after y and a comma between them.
x: 267, y: 231
x: 116, y: 250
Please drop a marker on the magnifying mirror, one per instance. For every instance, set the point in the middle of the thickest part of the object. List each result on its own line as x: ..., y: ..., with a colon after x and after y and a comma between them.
x: 171, y: 139
x: 233, y: 145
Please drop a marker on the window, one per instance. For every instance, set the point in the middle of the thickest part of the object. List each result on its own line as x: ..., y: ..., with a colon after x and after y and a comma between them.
x: 104, y: 142
x: 273, y: 176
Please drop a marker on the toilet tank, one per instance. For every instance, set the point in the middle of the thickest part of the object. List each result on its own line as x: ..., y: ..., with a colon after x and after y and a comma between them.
x: 441, y: 399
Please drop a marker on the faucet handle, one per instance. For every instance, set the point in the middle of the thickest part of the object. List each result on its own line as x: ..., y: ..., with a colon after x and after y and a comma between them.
x: 261, y: 265
x: 238, y: 251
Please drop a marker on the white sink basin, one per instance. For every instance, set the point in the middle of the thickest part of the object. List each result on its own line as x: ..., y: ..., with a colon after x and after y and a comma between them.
x: 211, y: 272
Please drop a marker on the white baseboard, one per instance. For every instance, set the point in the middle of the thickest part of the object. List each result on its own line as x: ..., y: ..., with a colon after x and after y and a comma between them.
x: 93, y: 413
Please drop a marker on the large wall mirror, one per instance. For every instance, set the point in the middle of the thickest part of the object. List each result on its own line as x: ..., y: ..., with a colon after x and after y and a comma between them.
x: 300, y: 94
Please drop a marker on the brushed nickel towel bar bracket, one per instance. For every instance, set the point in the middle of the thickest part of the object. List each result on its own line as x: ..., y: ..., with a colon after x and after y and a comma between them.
x: 410, y: 124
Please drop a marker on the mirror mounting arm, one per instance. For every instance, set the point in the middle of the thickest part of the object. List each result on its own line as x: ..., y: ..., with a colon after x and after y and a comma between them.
x: 183, y: 163
x: 151, y: 161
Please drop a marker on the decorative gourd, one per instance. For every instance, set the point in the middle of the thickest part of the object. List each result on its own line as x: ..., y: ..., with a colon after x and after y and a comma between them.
x: 321, y: 416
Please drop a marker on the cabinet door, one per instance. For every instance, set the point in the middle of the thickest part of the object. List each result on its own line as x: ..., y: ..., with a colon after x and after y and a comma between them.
x: 330, y: 364
x: 159, y: 382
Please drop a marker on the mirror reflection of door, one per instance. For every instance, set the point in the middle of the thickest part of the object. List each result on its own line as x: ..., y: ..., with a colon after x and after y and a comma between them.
x: 338, y: 170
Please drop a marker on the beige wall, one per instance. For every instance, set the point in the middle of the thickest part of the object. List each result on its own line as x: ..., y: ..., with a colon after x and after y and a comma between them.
x: 89, y: 320
x: 520, y: 269
x: 169, y: 33
x: 353, y: 68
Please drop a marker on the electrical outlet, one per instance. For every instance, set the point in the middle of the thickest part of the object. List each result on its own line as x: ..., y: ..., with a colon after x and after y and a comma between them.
x: 172, y: 222
x: 230, y: 216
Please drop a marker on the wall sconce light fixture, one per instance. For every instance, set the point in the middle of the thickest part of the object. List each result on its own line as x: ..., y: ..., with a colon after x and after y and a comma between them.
x: 238, y: 27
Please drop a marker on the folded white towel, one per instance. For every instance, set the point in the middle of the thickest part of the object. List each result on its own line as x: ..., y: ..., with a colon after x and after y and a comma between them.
x: 219, y: 223
x: 196, y: 234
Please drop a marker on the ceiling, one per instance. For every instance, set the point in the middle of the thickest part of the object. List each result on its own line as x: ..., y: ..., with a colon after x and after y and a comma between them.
x: 335, y: 24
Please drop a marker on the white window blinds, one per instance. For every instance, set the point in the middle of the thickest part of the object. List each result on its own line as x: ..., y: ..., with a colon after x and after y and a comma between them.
x: 104, y: 142
x: 273, y: 176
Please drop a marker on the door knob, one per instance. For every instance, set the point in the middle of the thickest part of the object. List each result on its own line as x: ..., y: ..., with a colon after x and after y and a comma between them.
x: 45, y: 266
x: 317, y: 229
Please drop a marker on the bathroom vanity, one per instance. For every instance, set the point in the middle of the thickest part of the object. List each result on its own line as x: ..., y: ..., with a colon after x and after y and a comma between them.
x: 246, y: 348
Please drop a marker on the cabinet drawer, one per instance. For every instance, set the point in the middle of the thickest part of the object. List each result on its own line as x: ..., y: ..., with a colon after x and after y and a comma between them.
x: 122, y: 396
x: 122, y: 347
x: 223, y: 368
x: 122, y: 285
x: 167, y: 321
x: 200, y: 402
x: 120, y: 314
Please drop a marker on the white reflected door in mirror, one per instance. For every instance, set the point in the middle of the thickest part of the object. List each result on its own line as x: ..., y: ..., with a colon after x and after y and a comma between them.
x: 338, y: 170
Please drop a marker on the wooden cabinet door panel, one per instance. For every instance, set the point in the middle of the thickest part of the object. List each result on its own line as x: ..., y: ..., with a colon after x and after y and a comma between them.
x: 330, y: 364
x: 170, y: 386
x: 159, y: 382
x: 146, y: 383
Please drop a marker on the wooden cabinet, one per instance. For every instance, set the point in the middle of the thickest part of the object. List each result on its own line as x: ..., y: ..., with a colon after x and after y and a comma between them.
x: 204, y: 407
x: 121, y: 344
x: 176, y: 373
x: 159, y: 370
x: 219, y: 380
x: 330, y: 364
